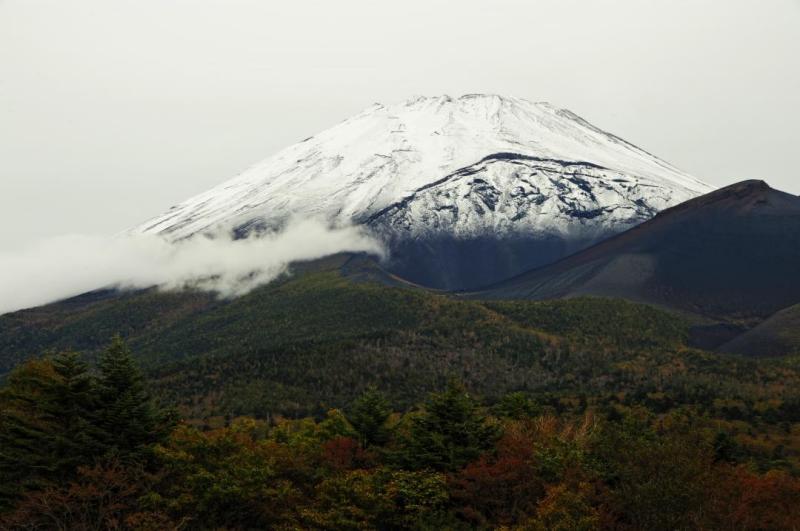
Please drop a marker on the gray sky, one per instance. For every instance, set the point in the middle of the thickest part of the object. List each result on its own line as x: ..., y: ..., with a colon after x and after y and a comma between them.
x: 111, y: 110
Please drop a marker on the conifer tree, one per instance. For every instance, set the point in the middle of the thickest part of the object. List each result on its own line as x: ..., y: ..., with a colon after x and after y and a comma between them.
x: 77, y: 438
x: 369, y: 415
x: 127, y: 415
x: 47, y: 425
x: 451, y: 432
x: 25, y: 423
x: 517, y: 406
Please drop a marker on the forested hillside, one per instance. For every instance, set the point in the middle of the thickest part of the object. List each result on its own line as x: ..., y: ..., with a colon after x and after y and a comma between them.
x: 317, y: 339
x: 89, y: 449
x: 330, y: 401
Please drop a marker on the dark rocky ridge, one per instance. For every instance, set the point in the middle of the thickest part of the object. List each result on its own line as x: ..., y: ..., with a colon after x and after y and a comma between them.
x: 732, y: 254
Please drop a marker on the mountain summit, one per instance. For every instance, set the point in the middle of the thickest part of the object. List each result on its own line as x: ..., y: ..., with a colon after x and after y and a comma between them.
x: 732, y: 254
x: 464, y: 191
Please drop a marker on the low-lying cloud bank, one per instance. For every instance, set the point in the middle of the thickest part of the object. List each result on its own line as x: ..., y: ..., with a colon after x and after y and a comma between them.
x: 66, y: 266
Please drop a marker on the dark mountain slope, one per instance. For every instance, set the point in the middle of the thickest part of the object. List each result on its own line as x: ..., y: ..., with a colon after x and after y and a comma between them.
x: 149, y: 317
x: 777, y: 336
x: 317, y: 338
x: 730, y: 254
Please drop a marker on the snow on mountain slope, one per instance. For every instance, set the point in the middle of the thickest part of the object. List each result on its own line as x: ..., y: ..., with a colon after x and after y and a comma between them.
x: 381, y: 157
x: 508, y: 193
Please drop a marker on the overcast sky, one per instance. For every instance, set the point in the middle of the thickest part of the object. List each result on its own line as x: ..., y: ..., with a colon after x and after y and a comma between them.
x: 111, y: 111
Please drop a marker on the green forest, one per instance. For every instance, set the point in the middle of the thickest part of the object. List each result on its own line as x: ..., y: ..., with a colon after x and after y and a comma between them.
x: 318, y: 402
x: 88, y: 448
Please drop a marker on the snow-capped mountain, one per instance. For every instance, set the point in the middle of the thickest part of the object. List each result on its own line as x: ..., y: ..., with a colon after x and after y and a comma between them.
x: 464, y: 190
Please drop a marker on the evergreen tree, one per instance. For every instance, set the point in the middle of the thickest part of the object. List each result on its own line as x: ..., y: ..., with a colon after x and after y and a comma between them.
x: 516, y: 406
x: 726, y: 448
x: 451, y: 432
x: 47, y: 425
x: 24, y: 427
x: 369, y: 415
x: 127, y: 415
x: 77, y: 438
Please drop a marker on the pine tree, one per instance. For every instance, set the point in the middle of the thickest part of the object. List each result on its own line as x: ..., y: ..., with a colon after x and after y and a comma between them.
x: 368, y: 416
x: 77, y: 438
x: 516, y: 406
x: 127, y: 415
x: 24, y: 428
x: 450, y: 433
x: 47, y: 425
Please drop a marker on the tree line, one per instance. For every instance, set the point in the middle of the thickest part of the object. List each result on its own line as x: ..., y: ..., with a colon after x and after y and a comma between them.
x: 86, y: 447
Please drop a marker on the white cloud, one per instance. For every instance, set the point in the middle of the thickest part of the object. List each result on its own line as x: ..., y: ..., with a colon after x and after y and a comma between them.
x: 69, y: 265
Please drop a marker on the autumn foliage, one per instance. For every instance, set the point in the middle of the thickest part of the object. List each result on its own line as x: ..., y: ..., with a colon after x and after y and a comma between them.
x: 452, y: 462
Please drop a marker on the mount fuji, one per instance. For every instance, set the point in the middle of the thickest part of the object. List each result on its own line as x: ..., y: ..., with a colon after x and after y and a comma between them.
x: 463, y: 191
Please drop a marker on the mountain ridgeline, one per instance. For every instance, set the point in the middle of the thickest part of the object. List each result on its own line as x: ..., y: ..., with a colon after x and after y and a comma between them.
x: 463, y: 191
x: 733, y: 254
